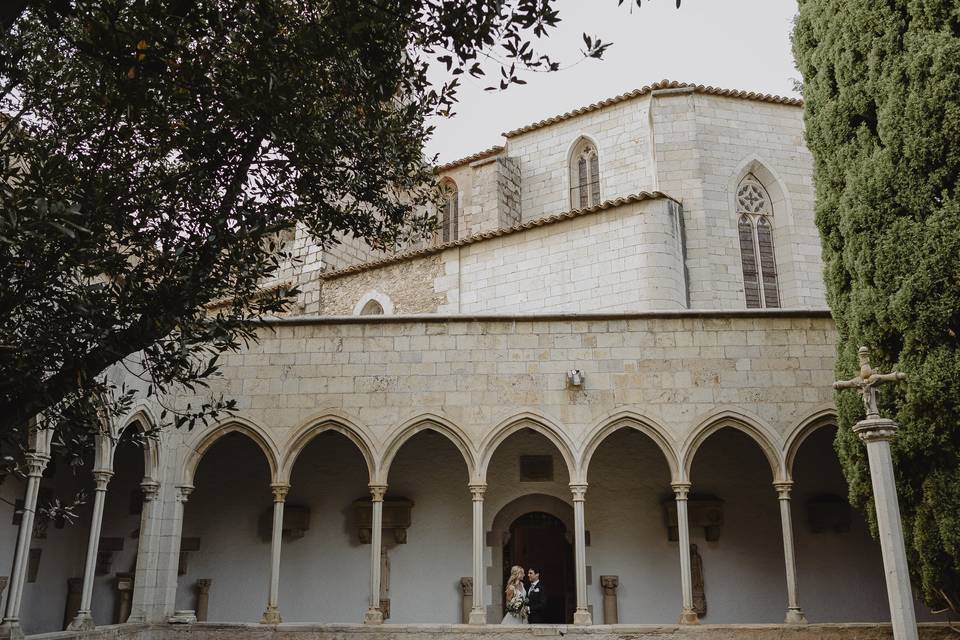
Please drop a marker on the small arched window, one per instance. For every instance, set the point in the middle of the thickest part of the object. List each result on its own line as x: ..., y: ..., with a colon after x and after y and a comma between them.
x: 449, y: 218
x: 372, y: 308
x: 584, y: 176
x: 755, y: 229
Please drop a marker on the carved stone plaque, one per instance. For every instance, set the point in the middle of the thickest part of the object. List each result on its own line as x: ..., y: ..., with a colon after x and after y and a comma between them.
x: 396, y: 518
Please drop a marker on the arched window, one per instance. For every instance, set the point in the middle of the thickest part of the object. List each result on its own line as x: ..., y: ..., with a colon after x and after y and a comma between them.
x: 584, y: 176
x: 756, y: 244
x: 372, y: 308
x: 449, y: 218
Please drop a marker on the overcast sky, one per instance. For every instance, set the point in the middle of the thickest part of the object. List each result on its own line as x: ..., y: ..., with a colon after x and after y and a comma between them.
x: 733, y: 44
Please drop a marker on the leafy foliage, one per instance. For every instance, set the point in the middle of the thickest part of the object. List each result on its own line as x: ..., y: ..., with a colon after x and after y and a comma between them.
x: 160, y: 153
x: 882, y: 94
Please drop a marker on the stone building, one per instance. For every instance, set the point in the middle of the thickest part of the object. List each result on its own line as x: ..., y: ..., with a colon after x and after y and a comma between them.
x: 613, y: 363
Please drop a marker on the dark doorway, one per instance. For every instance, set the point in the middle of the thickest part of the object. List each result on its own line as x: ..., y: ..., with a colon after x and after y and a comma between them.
x: 541, y: 540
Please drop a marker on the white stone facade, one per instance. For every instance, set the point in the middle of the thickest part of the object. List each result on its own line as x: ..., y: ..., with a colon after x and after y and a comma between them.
x: 684, y: 396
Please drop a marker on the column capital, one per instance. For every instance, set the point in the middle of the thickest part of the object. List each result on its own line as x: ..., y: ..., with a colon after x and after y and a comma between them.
x: 102, y: 478
x: 680, y: 490
x: 203, y: 585
x: 477, y: 491
x: 279, y: 490
x: 150, y: 490
x: 183, y: 492
x: 876, y: 429
x: 377, y: 491
x: 36, y: 463
x: 783, y: 489
x: 579, y: 492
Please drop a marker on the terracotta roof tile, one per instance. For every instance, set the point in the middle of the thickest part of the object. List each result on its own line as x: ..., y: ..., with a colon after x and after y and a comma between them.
x: 663, y: 84
x: 480, y: 155
x: 480, y: 237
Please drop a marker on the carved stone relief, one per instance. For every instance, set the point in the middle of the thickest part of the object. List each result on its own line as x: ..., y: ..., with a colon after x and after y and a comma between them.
x: 696, y: 571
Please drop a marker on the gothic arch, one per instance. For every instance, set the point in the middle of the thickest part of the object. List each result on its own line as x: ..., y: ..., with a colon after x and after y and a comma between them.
x: 772, y: 182
x: 736, y: 419
x: 329, y: 421
x: 579, y: 143
x: 820, y: 419
x: 382, y: 299
x: 141, y: 418
x: 629, y: 420
x: 527, y: 420
x: 234, y: 425
x: 426, y: 422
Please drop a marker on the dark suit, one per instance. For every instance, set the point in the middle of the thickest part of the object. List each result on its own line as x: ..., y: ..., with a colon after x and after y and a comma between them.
x: 537, y: 601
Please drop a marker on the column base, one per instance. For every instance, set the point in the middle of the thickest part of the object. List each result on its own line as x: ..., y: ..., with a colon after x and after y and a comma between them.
x: 373, y: 616
x: 582, y: 616
x: 688, y: 616
x: 478, y: 616
x: 795, y: 616
x: 83, y: 622
x: 11, y: 630
x: 271, y: 616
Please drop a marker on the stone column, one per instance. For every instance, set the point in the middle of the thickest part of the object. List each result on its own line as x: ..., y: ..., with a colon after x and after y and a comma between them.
x: 687, y: 615
x: 124, y: 587
x: 877, y: 434
x: 466, y: 599
x: 582, y: 614
x: 84, y: 621
x: 610, y: 584
x: 10, y: 627
x: 144, y: 580
x: 203, y: 599
x: 478, y: 615
x: 373, y: 614
x: 272, y: 614
x: 170, y: 552
x: 794, y: 612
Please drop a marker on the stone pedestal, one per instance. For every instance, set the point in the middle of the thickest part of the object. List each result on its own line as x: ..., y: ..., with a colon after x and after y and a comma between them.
x: 74, y: 593
x: 610, y: 584
x: 203, y: 598
x: 124, y: 586
x: 466, y: 599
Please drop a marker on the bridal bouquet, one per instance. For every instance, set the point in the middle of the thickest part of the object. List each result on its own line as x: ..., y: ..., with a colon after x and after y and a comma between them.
x: 519, y: 606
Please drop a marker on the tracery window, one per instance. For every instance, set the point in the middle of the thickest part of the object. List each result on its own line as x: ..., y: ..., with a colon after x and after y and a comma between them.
x: 757, y: 257
x: 584, y: 176
x: 449, y: 218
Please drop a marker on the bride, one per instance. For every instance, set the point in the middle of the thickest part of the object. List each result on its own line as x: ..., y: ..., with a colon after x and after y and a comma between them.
x: 515, y: 598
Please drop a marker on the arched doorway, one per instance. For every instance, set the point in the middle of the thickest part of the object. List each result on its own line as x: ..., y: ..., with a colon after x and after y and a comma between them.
x: 541, y: 540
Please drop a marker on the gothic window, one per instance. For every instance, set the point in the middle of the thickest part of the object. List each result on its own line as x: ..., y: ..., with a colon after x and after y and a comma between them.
x: 449, y: 220
x: 372, y: 308
x: 755, y: 231
x: 584, y: 176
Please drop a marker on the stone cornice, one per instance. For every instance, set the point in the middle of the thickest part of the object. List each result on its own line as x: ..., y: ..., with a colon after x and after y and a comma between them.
x: 679, y: 314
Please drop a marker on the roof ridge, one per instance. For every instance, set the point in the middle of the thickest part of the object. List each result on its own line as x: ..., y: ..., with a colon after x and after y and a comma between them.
x: 650, y: 88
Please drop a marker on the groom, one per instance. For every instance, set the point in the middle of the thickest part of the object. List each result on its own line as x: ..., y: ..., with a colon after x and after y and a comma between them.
x: 537, y: 599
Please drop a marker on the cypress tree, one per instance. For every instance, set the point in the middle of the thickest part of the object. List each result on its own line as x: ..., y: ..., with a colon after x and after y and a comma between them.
x: 882, y: 111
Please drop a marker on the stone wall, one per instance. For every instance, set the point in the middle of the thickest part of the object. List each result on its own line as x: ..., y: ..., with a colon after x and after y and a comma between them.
x: 626, y: 258
x: 409, y: 285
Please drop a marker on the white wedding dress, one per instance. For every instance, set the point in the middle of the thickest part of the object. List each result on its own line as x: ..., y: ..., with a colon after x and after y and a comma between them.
x: 513, y: 618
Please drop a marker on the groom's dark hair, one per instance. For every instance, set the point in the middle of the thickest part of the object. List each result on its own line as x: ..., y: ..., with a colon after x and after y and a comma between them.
x: 534, y: 569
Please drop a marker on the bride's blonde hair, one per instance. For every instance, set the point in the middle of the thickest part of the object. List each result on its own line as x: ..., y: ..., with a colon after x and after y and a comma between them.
x: 516, y: 576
